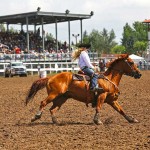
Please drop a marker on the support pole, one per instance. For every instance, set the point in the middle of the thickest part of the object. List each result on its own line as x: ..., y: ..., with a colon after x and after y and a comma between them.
x: 7, y: 27
x: 56, y: 34
x: 81, y: 30
x: 34, y: 28
x: 69, y: 34
x: 43, y: 36
x: 27, y: 23
x: 21, y: 27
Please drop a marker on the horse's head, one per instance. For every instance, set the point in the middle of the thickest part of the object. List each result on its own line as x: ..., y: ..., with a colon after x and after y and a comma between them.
x: 125, y: 65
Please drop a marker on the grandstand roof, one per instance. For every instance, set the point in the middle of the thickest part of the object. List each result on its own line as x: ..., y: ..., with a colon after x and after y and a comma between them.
x: 36, y: 17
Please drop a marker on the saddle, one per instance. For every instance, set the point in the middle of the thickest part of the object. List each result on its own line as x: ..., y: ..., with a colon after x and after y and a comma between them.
x: 80, y: 76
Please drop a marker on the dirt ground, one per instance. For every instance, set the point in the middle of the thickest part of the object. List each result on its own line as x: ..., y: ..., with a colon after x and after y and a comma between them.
x: 76, y: 130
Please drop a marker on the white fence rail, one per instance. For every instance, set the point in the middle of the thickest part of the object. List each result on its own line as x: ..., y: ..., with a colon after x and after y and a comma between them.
x: 34, y: 68
x: 51, y: 67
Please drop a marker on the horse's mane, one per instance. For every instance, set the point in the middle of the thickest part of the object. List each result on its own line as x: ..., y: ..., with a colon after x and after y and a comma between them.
x: 110, y: 64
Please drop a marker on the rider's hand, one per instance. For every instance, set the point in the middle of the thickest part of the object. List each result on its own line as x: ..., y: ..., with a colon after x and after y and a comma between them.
x: 95, y: 69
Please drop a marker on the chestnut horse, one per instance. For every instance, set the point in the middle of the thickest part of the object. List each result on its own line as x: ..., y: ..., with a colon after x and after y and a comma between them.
x: 61, y: 86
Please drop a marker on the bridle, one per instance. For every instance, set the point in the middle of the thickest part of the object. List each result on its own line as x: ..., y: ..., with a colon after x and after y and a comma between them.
x: 133, y: 73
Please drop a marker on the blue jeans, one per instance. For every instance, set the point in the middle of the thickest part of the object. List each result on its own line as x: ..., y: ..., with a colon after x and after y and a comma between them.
x: 90, y: 72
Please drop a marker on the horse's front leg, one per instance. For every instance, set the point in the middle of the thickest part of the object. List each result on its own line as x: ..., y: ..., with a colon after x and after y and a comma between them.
x: 100, y: 100
x: 118, y: 108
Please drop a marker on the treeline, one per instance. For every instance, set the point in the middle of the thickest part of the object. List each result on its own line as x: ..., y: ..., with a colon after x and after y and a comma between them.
x: 134, y: 40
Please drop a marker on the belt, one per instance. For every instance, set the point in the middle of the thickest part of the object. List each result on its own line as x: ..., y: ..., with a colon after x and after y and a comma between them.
x: 84, y: 67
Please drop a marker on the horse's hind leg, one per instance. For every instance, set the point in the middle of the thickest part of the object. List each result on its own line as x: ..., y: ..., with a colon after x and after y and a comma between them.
x: 57, y: 103
x: 49, y: 99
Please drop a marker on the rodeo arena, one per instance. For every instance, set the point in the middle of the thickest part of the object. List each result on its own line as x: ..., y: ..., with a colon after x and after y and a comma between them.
x: 80, y: 123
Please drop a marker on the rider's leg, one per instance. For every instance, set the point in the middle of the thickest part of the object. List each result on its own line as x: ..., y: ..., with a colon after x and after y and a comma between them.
x: 94, y: 83
x: 90, y: 72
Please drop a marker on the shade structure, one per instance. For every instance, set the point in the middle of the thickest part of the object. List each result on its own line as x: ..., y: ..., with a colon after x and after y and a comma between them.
x: 136, y: 58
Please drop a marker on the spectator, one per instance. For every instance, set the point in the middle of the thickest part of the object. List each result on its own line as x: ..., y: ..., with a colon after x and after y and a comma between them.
x: 101, y: 65
x: 140, y: 64
x: 17, y: 50
x: 144, y: 64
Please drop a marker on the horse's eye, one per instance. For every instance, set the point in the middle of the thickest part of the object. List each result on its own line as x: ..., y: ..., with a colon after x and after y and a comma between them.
x: 131, y: 63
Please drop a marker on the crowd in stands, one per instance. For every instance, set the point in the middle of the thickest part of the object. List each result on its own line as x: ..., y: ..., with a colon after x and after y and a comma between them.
x: 15, y: 43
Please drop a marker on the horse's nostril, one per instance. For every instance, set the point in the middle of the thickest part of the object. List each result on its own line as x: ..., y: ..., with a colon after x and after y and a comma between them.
x: 137, y: 75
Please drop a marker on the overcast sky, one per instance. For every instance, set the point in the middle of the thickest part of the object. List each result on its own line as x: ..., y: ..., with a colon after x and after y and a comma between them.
x: 108, y: 14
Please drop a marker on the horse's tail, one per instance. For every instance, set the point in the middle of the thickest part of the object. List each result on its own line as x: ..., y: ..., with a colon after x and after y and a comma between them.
x: 36, y: 86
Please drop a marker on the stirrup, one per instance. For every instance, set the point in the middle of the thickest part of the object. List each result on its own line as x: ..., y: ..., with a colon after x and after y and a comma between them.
x: 96, y: 89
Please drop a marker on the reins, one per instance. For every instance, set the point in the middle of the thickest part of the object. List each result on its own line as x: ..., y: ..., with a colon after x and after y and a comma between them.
x: 111, y: 82
x: 119, y: 72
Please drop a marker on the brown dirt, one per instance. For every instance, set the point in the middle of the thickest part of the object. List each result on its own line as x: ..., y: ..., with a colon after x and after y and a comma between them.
x: 76, y: 129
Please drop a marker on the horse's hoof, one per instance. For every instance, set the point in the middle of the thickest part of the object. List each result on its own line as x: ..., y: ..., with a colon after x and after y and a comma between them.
x: 36, y: 118
x: 54, y: 120
x: 97, y: 122
x: 135, y: 121
x: 132, y: 120
x: 33, y: 119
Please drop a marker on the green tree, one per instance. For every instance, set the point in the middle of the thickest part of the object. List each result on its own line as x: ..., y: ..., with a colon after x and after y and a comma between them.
x: 131, y: 35
x: 140, y: 47
x: 85, y: 37
x: 101, y: 42
x: 140, y: 31
x: 2, y: 28
x: 13, y: 30
x: 49, y: 37
x: 118, y: 49
x: 94, y: 39
x: 107, y: 40
x: 128, y: 38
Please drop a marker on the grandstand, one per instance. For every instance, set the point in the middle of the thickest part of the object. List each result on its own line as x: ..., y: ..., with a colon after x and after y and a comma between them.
x: 27, y: 41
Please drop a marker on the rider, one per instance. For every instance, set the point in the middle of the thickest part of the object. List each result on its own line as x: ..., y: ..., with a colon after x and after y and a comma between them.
x: 86, y: 66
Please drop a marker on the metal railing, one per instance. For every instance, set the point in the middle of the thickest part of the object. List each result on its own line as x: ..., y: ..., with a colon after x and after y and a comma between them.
x: 41, y: 57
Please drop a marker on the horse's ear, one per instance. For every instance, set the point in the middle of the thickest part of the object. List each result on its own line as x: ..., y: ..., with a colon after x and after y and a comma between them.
x: 124, y: 56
